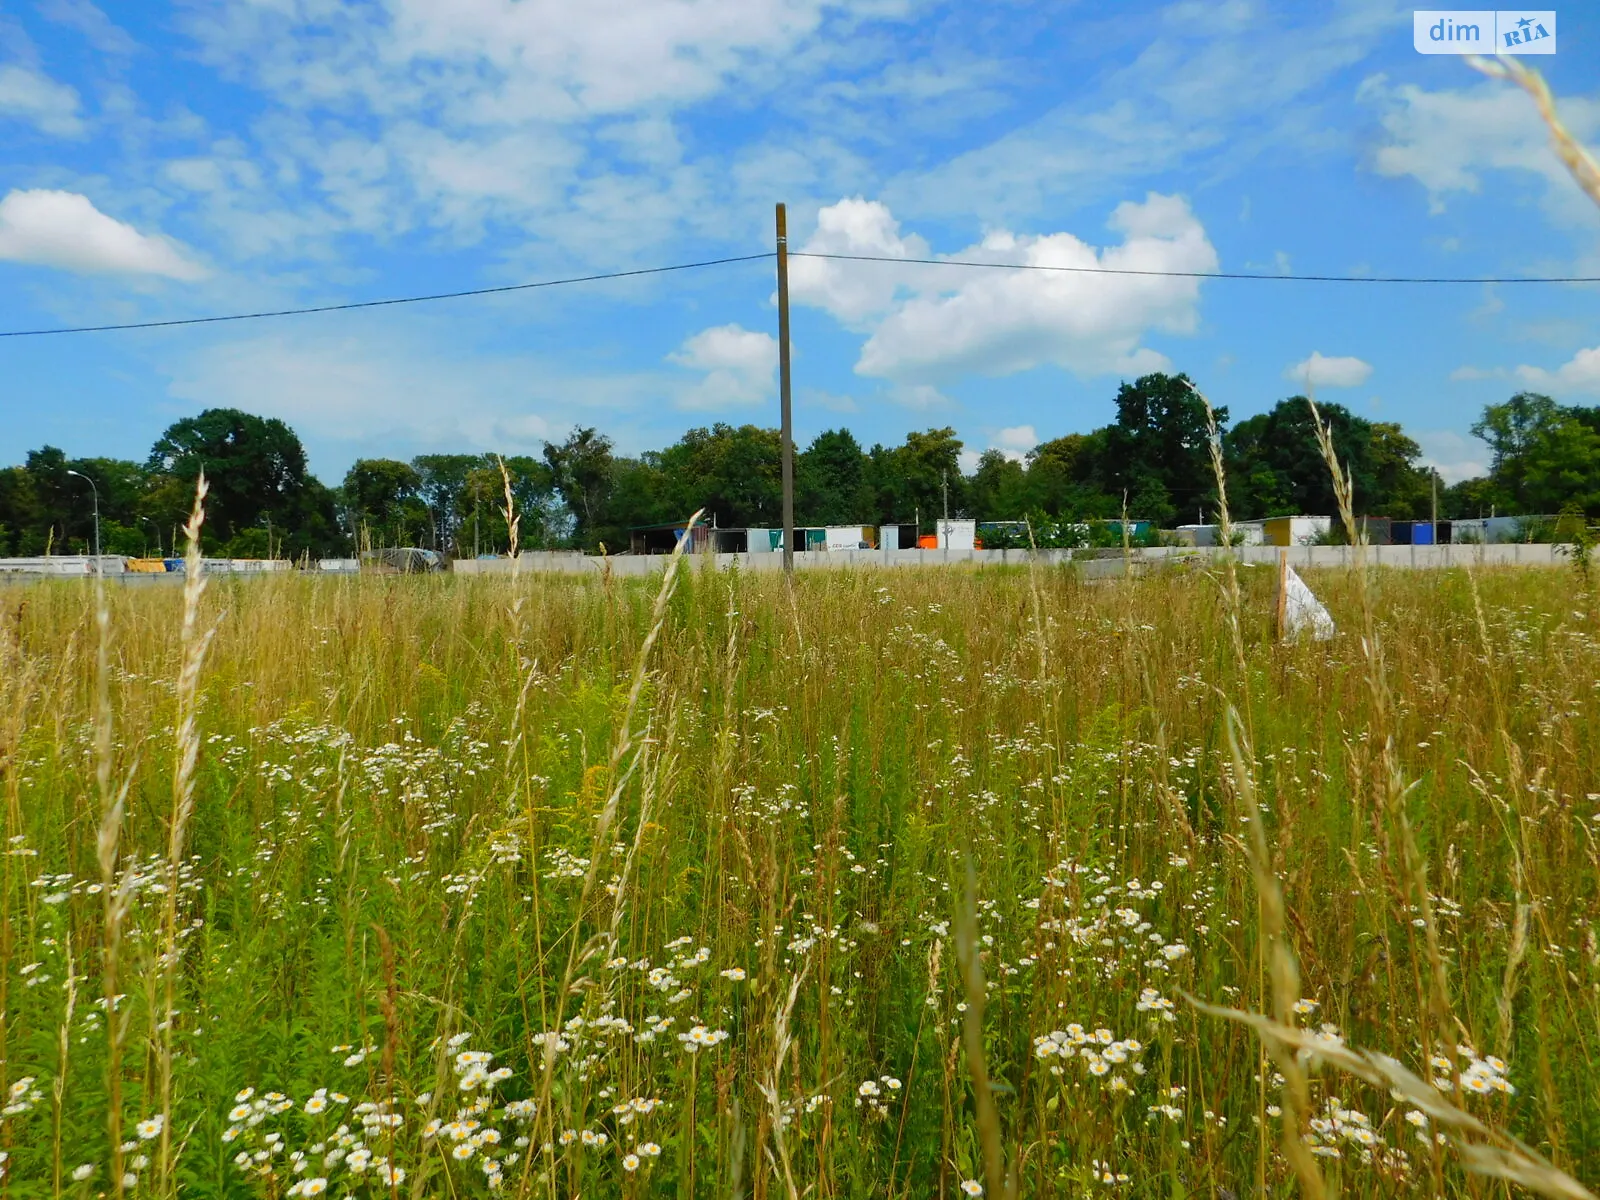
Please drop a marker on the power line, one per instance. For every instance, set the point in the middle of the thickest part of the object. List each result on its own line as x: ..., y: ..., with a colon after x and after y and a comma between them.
x: 327, y: 308
x: 956, y: 262
x: 741, y: 258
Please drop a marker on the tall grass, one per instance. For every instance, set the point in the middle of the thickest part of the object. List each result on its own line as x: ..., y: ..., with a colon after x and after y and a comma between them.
x: 556, y: 886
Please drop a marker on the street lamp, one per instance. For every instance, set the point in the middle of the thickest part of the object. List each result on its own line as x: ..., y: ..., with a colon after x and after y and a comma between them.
x: 96, y: 491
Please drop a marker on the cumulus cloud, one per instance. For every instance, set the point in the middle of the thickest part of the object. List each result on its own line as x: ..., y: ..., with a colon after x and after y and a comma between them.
x: 63, y: 229
x: 398, y: 390
x: 1578, y: 375
x: 1322, y: 371
x: 1448, y: 139
x: 1015, y: 441
x: 854, y: 292
x: 40, y: 101
x: 740, y: 366
x: 1453, y: 455
x: 929, y: 323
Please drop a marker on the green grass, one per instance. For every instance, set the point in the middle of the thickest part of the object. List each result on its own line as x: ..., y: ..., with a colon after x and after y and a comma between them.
x: 421, y: 826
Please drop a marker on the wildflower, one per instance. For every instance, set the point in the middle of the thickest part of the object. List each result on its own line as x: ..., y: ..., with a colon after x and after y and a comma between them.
x: 79, y: 1174
x: 316, y: 1104
x: 240, y: 1112
x: 972, y: 1187
x: 1305, y: 1007
x: 244, y: 1095
x: 648, y: 1150
x: 734, y: 973
x: 630, y: 1162
x: 151, y: 1128
x: 462, y: 1151
x: 868, y: 1088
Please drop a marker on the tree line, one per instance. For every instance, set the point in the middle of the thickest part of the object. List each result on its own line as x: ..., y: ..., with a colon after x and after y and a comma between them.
x: 1152, y: 461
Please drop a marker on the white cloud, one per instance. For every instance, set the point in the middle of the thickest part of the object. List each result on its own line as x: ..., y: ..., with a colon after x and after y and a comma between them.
x: 930, y: 323
x: 854, y: 292
x: 401, y: 390
x: 91, y: 22
x: 1190, y: 96
x: 39, y: 100
x: 1454, y: 456
x: 920, y: 397
x: 63, y: 229
x: 554, y: 119
x: 1336, y: 372
x: 1470, y: 374
x: 1448, y: 139
x: 1015, y: 441
x: 740, y: 366
x: 1578, y: 375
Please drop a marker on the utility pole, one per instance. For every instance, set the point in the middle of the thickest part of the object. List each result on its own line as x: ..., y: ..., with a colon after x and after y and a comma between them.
x: 787, y: 419
x: 96, y: 491
x: 1433, y: 477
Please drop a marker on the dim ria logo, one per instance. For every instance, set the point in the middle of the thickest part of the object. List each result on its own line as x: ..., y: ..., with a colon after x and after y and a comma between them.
x: 1458, y: 31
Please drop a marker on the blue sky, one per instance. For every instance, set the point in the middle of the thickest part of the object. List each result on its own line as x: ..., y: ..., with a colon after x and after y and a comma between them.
x: 174, y: 160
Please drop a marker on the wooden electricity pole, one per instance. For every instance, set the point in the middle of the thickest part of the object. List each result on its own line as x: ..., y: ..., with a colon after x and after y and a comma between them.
x: 783, y: 392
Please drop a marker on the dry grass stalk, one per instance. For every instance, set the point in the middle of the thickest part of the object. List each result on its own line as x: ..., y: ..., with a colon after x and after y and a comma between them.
x: 1497, y: 1155
x: 193, y: 646
x: 1573, y: 154
x: 1392, y: 787
x: 771, y: 1087
x: 622, y: 745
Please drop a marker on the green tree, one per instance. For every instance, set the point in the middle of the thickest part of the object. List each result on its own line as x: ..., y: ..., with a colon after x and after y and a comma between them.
x: 999, y: 488
x: 258, y: 480
x: 383, y: 500
x: 1065, y: 477
x: 734, y: 473
x: 1156, y: 451
x: 1400, y: 487
x: 912, y: 478
x: 581, y: 472
x: 831, y: 485
x: 1546, y: 455
x: 1275, y: 468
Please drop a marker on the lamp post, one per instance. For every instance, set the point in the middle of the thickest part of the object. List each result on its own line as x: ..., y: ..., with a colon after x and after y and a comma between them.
x: 96, y: 492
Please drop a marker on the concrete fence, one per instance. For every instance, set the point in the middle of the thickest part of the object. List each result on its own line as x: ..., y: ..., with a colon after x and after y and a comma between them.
x: 1094, y: 563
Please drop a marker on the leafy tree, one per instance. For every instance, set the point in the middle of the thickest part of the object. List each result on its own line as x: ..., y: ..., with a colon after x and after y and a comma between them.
x: 1401, y: 488
x: 1275, y: 468
x: 913, y: 477
x: 733, y: 473
x: 258, y: 478
x: 581, y: 471
x: 1157, y: 451
x: 1546, y: 455
x: 1064, y: 476
x: 999, y: 488
x: 383, y: 500
x: 831, y: 485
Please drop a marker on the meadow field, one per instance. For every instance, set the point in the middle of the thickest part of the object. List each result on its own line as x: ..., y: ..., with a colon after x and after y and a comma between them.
x: 892, y: 884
